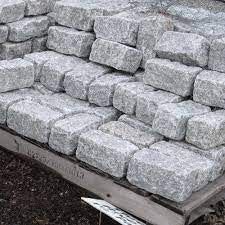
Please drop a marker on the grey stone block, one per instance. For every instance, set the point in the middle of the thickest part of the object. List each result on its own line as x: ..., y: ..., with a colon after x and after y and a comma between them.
x: 207, y: 131
x: 139, y: 75
x: 52, y: 18
x: 171, y: 76
x: 117, y: 28
x: 126, y: 132
x: 77, y: 82
x: 105, y: 152
x: 54, y: 70
x: 65, y: 133
x: 101, y: 91
x: 217, y: 55
x: 39, y: 87
x: 118, y: 56
x: 39, y: 44
x: 69, y: 41
x: 9, y: 50
x: 37, y: 7
x: 171, y: 119
x: 209, y: 88
x: 39, y: 59
x: 15, y: 74
x: 148, y: 103
x: 3, y: 33
x: 28, y: 28
x: 125, y: 96
x: 9, y: 98
x: 32, y: 120
x: 168, y: 175
x: 80, y: 15
x: 176, y: 46
x: 150, y: 31
x: 11, y: 10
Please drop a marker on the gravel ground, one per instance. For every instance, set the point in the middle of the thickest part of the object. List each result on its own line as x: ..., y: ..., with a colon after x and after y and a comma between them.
x: 30, y: 195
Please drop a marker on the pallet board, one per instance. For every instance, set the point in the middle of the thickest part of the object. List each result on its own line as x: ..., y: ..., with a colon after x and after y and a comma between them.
x: 151, y: 209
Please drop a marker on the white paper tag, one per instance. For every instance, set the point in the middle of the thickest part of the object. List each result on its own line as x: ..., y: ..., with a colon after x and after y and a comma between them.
x: 113, y: 212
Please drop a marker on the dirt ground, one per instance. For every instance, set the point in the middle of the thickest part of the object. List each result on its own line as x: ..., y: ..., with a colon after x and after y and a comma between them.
x: 30, y: 195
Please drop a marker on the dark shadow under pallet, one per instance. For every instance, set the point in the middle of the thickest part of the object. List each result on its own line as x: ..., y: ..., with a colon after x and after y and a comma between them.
x: 148, y: 207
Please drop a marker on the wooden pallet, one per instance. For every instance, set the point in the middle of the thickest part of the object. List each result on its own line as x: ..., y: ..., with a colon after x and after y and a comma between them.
x: 150, y: 208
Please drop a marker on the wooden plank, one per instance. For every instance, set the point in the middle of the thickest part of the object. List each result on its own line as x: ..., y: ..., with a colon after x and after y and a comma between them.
x: 141, y: 207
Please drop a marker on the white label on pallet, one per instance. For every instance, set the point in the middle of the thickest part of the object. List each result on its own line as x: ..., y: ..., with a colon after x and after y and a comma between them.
x: 113, y: 212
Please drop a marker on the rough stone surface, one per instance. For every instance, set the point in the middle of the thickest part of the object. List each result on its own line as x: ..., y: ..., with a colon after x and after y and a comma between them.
x: 171, y: 76
x: 52, y: 18
x: 195, y: 54
x: 139, y: 75
x: 9, y: 98
x: 54, y: 70
x: 9, y: 50
x: 101, y: 91
x: 38, y: 60
x: 126, y: 132
x: 125, y: 96
x: 209, y: 88
x: 116, y: 55
x: 117, y: 28
x: 166, y: 174
x: 70, y: 41
x: 32, y: 120
x: 65, y: 133
x: 148, y: 103
x: 11, y: 10
x: 15, y: 74
x: 77, y: 82
x: 39, y: 44
x: 28, y: 28
x: 105, y: 152
x: 37, y: 7
x: 3, y: 33
x: 207, y: 131
x: 37, y: 86
x: 150, y: 31
x: 217, y: 55
x: 81, y: 15
x: 171, y: 119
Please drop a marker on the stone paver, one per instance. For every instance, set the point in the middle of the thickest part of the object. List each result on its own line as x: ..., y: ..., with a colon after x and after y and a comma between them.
x: 39, y: 44
x: 37, y: 7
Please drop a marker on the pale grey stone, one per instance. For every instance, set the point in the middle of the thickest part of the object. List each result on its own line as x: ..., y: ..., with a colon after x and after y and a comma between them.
x: 9, y: 50
x: 148, y: 103
x: 116, y: 55
x: 37, y: 86
x: 150, y: 31
x: 165, y: 174
x: 39, y: 44
x: 39, y: 59
x: 125, y: 96
x: 207, y: 131
x: 209, y: 88
x: 126, y: 132
x: 101, y: 91
x: 52, y: 4
x: 176, y: 46
x: 11, y: 97
x: 171, y: 119
x: 117, y: 28
x: 81, y: 14
x: 11, y: 10
x: 171, y: 76
x: 28, y: 28
x: 139, y: 75
x: 69, y: 41
x: 3, y: 33
x: 15, y: 74
x: 52, y: 18
x: 37, y: 7
x: 105, y: 152
x: 32, y: 120
x: 65, y: 133
x: 217, y: 55
x: 54, y: 70
x: 77, y: 82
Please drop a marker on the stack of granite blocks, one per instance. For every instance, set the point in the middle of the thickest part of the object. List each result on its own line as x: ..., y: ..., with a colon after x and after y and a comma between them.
x: 23, y: 27
x: 161, y: 128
